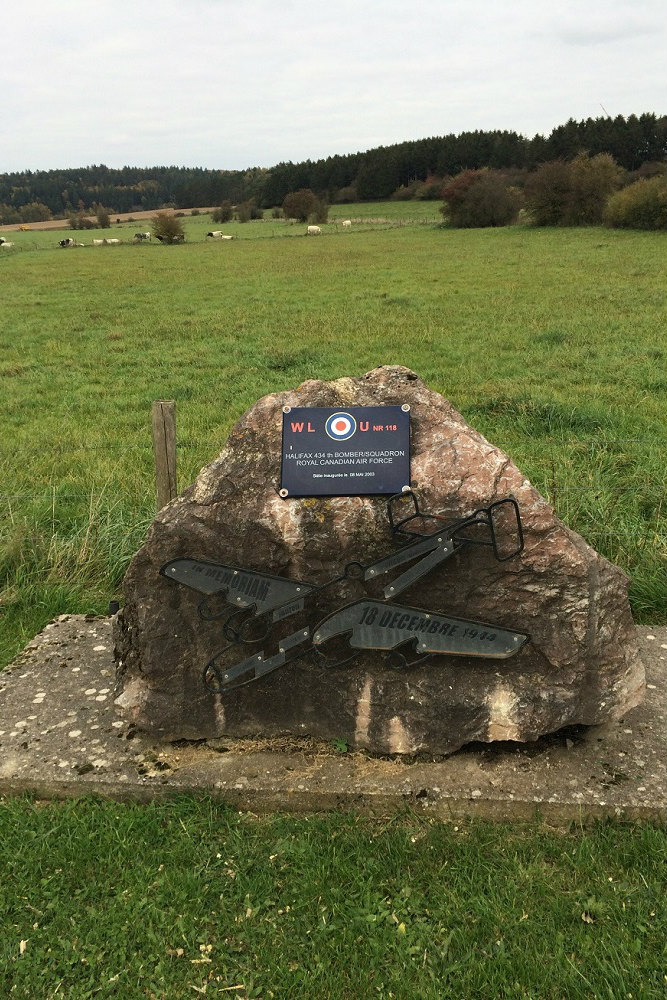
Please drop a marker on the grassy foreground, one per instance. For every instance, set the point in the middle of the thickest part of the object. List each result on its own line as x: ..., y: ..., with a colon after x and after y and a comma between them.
x: 549, y: 342
x: 190, y: 898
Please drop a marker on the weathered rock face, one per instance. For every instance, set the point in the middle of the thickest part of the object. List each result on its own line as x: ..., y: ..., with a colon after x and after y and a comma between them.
x: 581, y: 665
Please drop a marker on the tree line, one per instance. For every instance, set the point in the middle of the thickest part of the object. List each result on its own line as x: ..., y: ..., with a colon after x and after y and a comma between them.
x: 405, y: 170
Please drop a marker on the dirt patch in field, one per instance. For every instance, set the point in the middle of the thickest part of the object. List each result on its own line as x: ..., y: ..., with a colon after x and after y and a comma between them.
x: 17, y: 227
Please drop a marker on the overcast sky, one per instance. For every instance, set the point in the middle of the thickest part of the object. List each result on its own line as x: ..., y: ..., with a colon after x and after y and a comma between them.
x: 238, y: 83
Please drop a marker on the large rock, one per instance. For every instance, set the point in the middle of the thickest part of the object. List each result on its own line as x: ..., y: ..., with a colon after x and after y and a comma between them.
x: 580, y: 666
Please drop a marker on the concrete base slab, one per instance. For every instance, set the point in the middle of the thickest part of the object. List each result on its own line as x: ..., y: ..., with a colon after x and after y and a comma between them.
x: 61, y: 735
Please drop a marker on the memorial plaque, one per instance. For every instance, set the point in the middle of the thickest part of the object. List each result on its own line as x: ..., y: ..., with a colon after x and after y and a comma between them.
x: 248, y: 615
x: 358, y: 451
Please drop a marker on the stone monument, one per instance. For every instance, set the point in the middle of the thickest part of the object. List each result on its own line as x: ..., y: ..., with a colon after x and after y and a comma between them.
x: 580, y: 665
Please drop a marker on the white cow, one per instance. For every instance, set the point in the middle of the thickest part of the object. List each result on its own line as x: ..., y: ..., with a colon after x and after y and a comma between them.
x: 313, y: 231
x: 347, y: 223
x: 111, y: 243
x: 69, y: 242
x: 217, y: 235
x: 139, y: 237
x: 5, y: 243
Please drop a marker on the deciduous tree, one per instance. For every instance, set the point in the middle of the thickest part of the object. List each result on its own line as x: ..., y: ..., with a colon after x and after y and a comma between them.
x: 103, y: 218
x: 642, y: 205
x: 480, y: 198
x: 225, y: 213
x: 593, y: 179
x: 547, y: 193
x: 168, y: 227
x: 572, y: 194
x: 299, y: 204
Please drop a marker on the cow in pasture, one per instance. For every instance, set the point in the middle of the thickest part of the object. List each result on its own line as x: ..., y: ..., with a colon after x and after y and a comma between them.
x: 5, y: 243
x: 217, y: 235
x: 140, y: 237
x: 347, y: 223
x: 313, y: 231
x: 69, y: 242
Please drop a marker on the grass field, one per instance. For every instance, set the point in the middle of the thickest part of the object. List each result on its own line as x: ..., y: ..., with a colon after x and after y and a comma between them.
x: 551, y: 344
x: 548, y: 341
x: 177, y: 900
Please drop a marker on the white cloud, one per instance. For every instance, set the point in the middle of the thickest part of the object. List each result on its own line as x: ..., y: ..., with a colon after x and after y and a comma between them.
x: 218, y: 83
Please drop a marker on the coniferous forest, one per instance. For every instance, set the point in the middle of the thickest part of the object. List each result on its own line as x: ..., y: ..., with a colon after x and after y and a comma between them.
x: 401, y: 170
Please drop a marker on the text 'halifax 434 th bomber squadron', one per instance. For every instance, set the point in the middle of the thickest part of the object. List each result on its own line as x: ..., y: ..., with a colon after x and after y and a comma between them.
x: 260, y: 601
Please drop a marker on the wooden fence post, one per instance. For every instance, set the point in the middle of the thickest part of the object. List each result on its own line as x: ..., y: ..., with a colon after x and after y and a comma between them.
x: 163, y: 416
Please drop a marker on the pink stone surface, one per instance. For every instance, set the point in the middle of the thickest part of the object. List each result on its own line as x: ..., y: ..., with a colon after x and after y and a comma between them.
x: 580, y: 667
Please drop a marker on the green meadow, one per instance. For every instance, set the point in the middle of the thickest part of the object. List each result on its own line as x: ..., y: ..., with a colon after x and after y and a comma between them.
x: 180, y: 899
x: 549, y: 342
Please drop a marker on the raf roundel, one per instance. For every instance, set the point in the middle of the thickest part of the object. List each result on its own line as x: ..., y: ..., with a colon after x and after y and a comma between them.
x: 340, y: 426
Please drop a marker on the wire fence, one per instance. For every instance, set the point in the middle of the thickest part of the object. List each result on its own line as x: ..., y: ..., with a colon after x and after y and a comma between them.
x: 281, y: 229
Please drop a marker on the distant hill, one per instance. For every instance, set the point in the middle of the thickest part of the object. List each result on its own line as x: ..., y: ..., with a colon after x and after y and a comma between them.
x: 375, y: 174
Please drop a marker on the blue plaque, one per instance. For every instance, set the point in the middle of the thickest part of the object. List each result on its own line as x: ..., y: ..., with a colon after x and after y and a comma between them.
x: 353, y: 451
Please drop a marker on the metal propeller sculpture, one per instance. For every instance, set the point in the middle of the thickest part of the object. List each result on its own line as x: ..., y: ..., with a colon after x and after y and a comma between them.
x: 260, y: 601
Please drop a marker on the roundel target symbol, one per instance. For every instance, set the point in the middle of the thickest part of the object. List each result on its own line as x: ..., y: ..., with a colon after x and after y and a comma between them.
x: 340, y: 426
